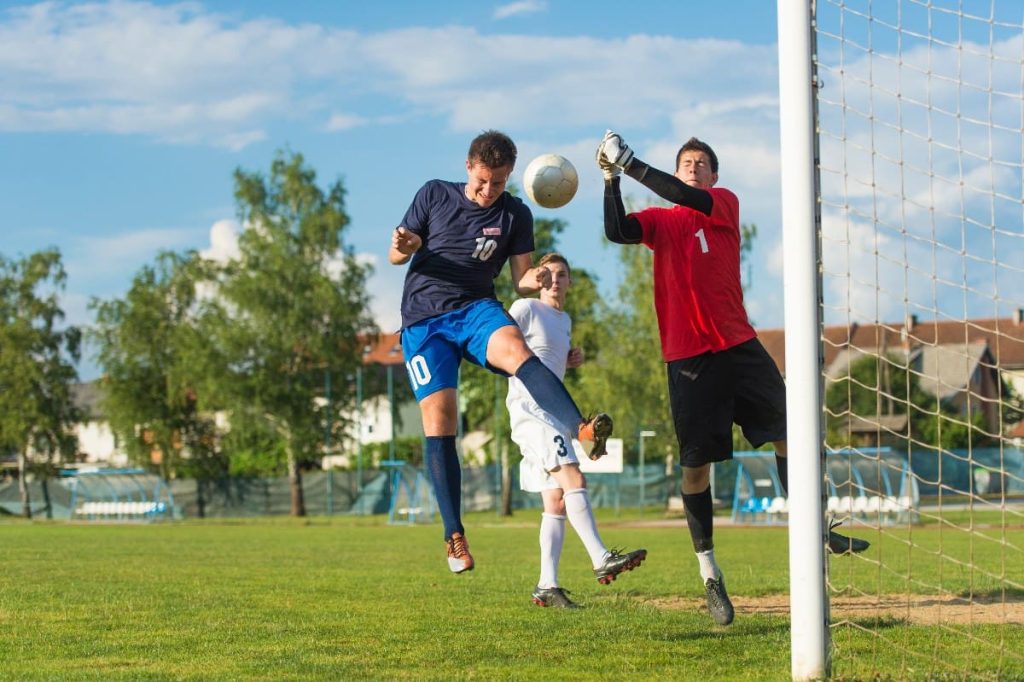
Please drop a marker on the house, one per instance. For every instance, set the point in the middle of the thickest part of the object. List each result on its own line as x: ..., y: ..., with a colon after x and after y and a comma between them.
x: 958, y: 361
x: 97, y: 444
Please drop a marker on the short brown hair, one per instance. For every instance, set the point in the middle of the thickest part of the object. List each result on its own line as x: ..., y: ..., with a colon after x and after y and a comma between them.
x: 493, y: 149
x: 695, y: 145
x: 554, y: 257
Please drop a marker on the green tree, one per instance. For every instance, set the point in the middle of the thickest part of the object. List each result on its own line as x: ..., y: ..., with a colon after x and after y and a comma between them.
x: 631, y: 385
x: 286, y: 313
x: 37, y: 366
x: 145, y: 341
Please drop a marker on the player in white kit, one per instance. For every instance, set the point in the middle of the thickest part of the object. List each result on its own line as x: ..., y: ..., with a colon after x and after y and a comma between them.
x: 549, y: 464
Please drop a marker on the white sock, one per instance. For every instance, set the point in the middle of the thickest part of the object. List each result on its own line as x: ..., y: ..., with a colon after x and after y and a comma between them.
x: 577, y: 507
x: 552, y: 537
x: 708, y: 567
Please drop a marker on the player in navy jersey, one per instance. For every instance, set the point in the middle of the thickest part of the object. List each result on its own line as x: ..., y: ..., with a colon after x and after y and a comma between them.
x: 458, y: 236
x: 718, y: 372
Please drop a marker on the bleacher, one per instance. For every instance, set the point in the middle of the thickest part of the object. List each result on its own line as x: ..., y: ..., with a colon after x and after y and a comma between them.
x: 873, y: 485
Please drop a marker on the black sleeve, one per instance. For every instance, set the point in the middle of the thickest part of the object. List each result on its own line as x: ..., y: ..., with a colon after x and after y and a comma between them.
x: 619, y: 227
x: 669, y: 187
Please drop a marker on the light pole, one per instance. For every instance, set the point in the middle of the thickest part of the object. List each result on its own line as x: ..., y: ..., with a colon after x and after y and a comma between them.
x: 643, y: 434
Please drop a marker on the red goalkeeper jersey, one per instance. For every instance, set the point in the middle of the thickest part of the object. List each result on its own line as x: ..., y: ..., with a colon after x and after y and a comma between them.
x: 697, y: 292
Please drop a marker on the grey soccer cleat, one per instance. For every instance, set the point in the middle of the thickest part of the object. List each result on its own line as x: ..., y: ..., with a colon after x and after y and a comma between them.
x: 553, y: 596
x: 841, y: 544
x: 616, y: 563
x: 718, y: 601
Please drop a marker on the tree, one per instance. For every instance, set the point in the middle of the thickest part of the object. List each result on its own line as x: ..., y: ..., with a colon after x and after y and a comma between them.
x: 144, y: 343
x: 634, y: 380
x: 285, y: 314
x: 37, y: 369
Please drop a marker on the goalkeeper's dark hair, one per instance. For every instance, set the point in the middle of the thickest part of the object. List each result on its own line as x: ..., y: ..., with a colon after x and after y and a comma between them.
x: 695, y: 145
x: 555, y: 257
x: 493, y: 149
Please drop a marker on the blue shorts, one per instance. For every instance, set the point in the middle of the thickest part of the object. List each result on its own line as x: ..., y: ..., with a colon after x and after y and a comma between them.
x: 434, y: 347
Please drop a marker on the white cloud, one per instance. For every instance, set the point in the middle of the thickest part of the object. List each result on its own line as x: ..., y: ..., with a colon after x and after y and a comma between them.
x: 223, y: 241
x: 343, y: 121
x: 182, y: 74
x: 96, y: 256
x: 513, y: 9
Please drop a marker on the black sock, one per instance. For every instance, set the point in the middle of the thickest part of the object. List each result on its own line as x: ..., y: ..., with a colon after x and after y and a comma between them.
x: 548, y: 392
x: 700, y: 515
x: 442, y: 460
x: 783, y: 466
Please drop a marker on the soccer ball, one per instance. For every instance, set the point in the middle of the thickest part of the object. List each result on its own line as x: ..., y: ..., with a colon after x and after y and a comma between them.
x: 550, y: 181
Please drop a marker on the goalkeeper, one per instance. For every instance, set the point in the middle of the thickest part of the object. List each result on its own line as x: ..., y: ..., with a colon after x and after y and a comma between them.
x: 718, y: 371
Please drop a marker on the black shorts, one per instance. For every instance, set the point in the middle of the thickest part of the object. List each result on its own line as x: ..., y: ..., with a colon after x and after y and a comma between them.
x: 711, y: 391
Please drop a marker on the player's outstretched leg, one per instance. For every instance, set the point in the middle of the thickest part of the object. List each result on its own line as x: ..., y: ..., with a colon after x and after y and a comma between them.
x: 617, y: 562
x: 596, y: 430
x: 553, y: 596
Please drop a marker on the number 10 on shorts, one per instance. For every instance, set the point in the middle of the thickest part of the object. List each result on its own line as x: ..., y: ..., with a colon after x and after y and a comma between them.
x: 419, y: 373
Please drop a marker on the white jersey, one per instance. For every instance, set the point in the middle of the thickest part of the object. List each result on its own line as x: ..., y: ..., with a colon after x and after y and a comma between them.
x: 545, y: 443
x: 548, y: 333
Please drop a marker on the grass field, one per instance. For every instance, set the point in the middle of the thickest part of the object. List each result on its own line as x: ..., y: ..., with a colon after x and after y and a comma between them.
x: 353, y: 598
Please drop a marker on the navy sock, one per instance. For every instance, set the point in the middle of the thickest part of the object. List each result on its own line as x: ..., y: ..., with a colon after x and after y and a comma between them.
x: 549, y: 392
x: 782, y: 463
x: 442, y: 462
x: 700, y: 518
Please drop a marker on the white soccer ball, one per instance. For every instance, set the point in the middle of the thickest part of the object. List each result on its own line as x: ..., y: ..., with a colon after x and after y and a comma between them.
x: 550, y: 181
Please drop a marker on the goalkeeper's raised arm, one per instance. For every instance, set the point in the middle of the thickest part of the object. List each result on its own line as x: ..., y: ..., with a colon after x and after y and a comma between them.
x: 686, y: 188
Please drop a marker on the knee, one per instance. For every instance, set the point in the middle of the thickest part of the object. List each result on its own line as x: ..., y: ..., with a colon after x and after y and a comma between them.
x: 696, y: 479
x: 574, y: 477
x: 555, y: 507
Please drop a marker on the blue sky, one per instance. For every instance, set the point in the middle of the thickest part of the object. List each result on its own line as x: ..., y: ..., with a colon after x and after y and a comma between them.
x: 121, y: 123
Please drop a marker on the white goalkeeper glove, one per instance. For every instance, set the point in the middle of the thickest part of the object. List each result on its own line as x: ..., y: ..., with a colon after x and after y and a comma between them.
x: 608, y: 169
x: 615, y: 151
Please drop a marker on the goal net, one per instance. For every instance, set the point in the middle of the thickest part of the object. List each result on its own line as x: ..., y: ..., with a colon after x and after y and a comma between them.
x: 920, y: 143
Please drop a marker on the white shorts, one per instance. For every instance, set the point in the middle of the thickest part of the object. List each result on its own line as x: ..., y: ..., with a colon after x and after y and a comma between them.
x: 544, y: 448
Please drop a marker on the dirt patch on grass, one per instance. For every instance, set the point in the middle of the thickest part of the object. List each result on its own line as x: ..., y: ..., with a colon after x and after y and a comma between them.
x: 912, y: 608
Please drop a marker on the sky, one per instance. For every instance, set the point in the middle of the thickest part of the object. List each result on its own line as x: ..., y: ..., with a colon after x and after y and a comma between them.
x: 121, y: 124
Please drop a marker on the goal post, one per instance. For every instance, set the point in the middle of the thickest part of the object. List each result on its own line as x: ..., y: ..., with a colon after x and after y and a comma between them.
x: 809, y: 631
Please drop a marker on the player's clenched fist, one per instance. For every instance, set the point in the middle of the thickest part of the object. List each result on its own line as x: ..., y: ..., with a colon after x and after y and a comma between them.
x: 404, y: 243
x: 543, y: 277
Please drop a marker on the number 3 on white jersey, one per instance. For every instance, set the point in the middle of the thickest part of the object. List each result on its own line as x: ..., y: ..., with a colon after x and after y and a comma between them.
x: 702, y: 239
x: 419, y: 373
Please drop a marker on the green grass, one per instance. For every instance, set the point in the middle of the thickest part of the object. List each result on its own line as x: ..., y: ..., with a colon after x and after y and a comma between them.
x: 353, y: 598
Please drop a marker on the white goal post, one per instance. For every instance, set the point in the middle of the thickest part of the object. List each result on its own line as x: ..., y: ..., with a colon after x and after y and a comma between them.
x: 809, y: 634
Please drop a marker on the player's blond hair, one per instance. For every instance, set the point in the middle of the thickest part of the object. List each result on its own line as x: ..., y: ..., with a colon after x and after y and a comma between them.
x: 555, y: 257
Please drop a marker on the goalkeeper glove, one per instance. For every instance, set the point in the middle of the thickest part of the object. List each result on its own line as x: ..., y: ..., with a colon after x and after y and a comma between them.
x: 615, y: 151
x: 609, y: 169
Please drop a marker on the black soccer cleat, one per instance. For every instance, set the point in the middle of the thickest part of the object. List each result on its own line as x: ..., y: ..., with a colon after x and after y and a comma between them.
x: 616, y: 563
x: 718, y: 601
x: 553, y: 596
x: 841, y: 544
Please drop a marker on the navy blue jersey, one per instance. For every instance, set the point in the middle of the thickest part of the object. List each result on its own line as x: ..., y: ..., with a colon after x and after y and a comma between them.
x: 464, y: 248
